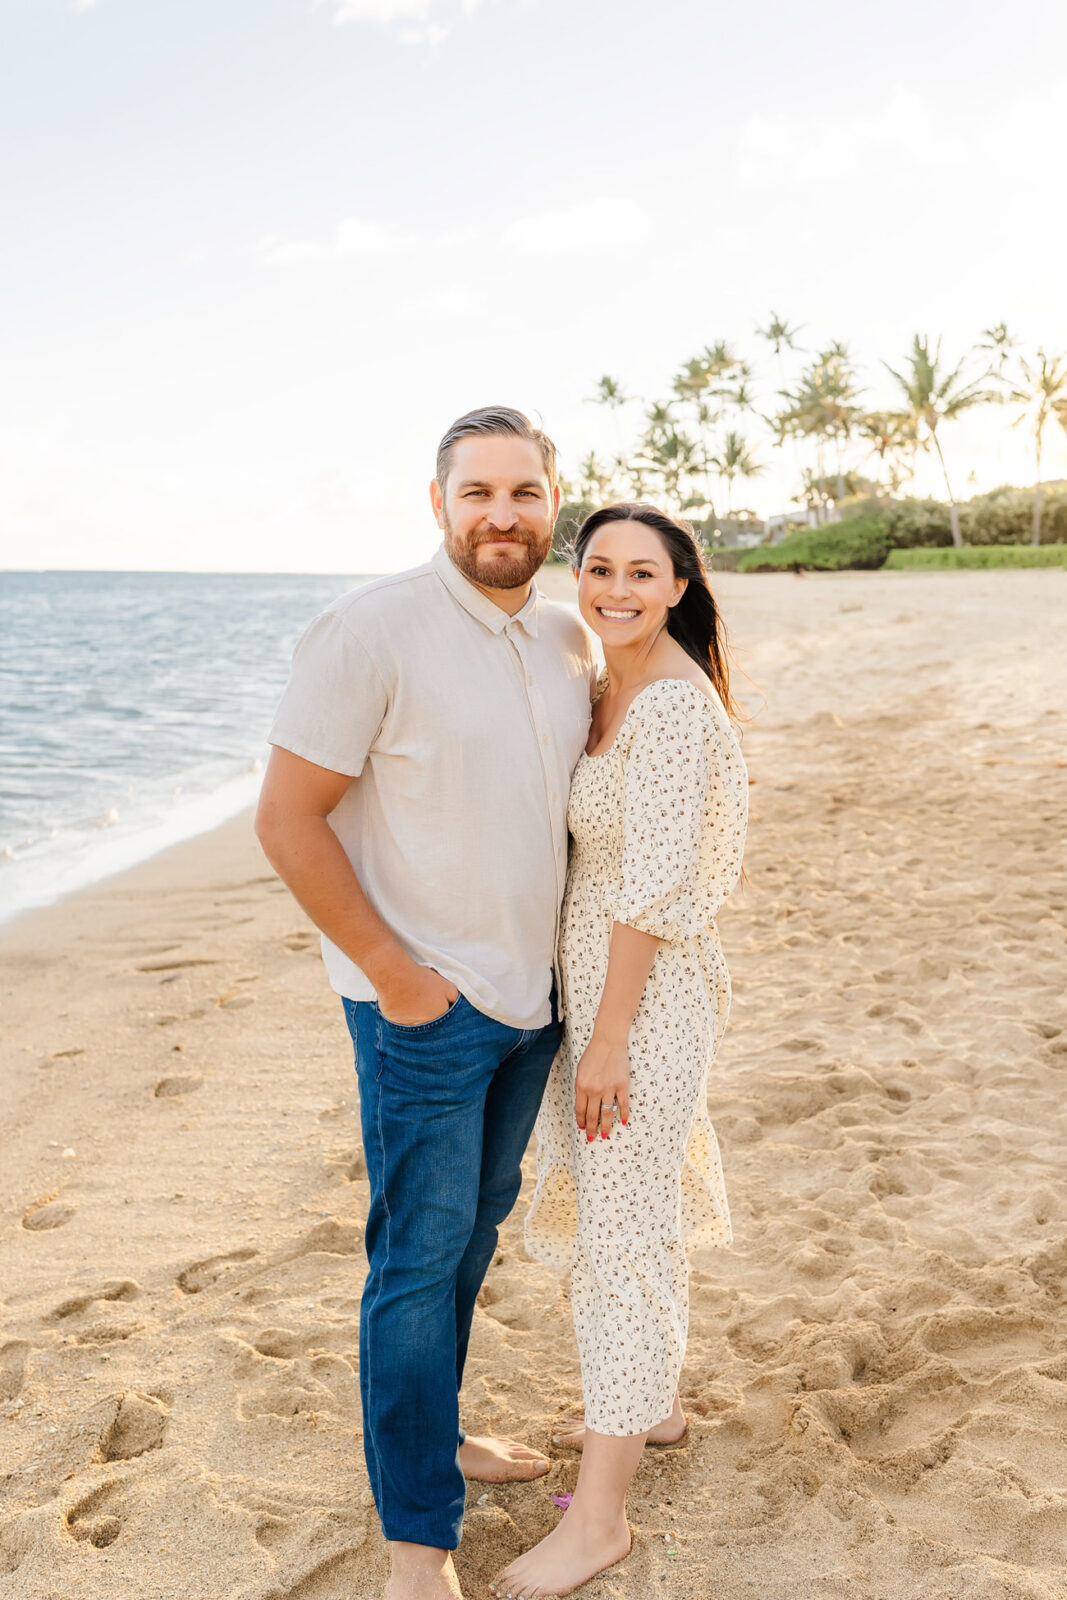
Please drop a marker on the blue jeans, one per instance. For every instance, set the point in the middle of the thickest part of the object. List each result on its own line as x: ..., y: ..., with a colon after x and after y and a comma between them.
x: 447, y: 1110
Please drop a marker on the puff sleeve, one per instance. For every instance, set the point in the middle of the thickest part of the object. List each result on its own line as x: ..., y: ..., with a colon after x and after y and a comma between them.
x: 685, y: 810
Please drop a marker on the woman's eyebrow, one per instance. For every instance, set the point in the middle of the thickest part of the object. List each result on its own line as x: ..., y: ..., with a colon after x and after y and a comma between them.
x: 637, y: 561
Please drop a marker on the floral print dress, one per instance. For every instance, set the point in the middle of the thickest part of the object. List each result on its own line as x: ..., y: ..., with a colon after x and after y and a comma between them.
x: 657, y: 825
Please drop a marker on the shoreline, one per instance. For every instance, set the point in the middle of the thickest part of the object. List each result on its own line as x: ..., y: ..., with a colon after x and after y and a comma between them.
x: 106, y: 858
x: 875, y: 1375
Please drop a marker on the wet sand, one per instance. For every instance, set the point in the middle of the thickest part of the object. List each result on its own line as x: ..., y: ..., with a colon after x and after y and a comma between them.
x: 877, y: 1371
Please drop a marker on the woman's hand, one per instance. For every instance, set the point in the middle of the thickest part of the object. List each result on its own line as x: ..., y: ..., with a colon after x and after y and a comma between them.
x: 602, y: 1079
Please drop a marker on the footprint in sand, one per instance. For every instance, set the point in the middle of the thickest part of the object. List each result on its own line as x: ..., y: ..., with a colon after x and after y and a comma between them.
x: 176, y: 966
x: 136, y: 1426
x: 233, y: 1000
x: 13, y: 1355
x: 98, y: 1518
x: 350, y: 1163
x: 122, y: 1289
x: 346, y: 1571
x: 301, y: 939
x: 205, y: 1274
x: 46, y: 1215
x: 171, y: 1088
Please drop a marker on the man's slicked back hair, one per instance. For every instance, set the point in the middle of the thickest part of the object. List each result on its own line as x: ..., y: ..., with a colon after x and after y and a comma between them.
x: 498, y: 420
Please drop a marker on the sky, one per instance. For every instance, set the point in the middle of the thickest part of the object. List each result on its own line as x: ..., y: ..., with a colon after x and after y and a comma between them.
x: 258, y: 255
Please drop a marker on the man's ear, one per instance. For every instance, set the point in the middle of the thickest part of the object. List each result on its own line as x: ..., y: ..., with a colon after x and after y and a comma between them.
x: 437, y: 501
x: 555, y: 502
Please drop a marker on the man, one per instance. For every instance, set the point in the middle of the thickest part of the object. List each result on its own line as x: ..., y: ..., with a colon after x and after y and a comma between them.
x: 415, y: 804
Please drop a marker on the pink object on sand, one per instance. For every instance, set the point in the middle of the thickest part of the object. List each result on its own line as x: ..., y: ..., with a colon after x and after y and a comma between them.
x: 561, y: 1500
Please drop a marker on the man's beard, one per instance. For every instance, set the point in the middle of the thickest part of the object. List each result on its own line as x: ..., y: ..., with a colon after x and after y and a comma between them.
x: 500, y: 571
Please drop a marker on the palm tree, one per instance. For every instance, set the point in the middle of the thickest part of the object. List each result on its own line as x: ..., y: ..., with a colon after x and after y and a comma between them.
x: 674, y: 457
x: 894, y: 439
x: 735, y: 460
x: 595, y: 480
x: 1041, y: 392
x: 779, y: 335
x: 934, y: 396
x: 609, y: 392
x: 823, y: 407
x: 999, y: 343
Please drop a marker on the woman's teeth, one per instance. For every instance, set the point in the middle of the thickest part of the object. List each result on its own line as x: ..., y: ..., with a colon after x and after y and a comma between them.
x: 617, y: 616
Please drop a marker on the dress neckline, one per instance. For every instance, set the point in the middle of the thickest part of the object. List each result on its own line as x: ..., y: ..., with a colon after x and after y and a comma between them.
x: 600, y: 754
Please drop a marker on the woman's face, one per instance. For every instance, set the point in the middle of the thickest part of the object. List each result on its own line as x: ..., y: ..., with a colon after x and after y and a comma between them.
x: 626, y: 583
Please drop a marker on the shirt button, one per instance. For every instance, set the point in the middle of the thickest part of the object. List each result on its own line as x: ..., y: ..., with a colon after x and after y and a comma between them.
x: 555, y: 796
x: 529, y: 677
x: 544, y: 738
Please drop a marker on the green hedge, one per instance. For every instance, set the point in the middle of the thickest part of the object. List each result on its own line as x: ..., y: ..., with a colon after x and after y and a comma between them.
x: 989, y: 555
x: 725, y: 558
x: 1006, y: 516
x: 860, y: 541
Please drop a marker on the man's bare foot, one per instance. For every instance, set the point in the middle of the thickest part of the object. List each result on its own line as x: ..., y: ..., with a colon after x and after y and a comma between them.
x: 421, y: 1573
x: 501, y: 1461
x: 572, y: 1430
x: 571, y: 1554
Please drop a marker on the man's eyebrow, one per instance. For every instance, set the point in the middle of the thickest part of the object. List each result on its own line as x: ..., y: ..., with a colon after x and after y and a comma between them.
x: 479, y: 483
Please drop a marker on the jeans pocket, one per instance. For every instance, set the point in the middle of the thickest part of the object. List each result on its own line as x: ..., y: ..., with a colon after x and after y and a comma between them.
x: 410, y: 1029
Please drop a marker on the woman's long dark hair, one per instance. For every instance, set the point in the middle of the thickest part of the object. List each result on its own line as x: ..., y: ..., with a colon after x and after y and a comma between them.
x: 695, y: 621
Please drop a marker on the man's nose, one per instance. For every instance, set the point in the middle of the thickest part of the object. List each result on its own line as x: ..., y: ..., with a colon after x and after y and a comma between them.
x: 502, y: 514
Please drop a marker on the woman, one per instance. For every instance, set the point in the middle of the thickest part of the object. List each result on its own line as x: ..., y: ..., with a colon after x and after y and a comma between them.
x: 628, y: 1164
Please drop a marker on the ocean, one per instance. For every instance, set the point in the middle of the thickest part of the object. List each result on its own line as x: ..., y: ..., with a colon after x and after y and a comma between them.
x: 134, y: 710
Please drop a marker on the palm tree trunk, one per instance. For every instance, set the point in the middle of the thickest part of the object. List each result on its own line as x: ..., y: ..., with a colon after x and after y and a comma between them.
x: 953, y: 508
x: 1038, y: 494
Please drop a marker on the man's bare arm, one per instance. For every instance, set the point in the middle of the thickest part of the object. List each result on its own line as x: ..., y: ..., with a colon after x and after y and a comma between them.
x: 296, y: 799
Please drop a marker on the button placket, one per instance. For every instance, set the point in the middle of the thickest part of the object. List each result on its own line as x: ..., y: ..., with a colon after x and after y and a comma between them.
x: 541, y: 727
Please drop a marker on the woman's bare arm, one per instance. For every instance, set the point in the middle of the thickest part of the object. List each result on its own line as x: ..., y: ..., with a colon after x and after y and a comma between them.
x: 604, y: 1071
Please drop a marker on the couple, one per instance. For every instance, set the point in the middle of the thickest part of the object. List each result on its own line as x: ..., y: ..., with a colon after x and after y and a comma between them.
x: 416, y: 803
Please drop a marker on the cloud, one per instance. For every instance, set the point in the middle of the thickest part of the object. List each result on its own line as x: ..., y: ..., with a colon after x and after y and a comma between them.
x: 433, y: 34
x: 380, y: 11
x: 83, y: 5
x: 353, y: 238
x: 452, y: 303
x: 789, y: 149
x: 579, y: 229
x: 419, y: 21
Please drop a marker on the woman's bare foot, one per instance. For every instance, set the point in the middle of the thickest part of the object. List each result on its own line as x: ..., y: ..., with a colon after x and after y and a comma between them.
x: 570, y: 1555
x: 421, y: 1573
x: 501, y: 1461
x: 572, y: 1430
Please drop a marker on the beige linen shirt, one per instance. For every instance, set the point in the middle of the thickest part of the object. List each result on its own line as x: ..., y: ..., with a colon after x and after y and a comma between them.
x: 461, y: 727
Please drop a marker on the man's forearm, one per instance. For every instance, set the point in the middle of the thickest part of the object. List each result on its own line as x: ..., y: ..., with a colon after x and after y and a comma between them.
x: 308, y: 857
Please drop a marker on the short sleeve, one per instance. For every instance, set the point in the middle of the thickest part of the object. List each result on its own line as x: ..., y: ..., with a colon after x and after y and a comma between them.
x: 335, y: 699
x: 685, y: 803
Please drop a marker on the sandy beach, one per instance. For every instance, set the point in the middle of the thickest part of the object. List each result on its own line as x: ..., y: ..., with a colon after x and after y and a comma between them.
x: 877, y: 1371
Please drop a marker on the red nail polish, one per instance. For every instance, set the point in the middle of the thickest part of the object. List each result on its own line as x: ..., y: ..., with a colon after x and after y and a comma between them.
x: 589, y: 1138
x: 623, y: 1120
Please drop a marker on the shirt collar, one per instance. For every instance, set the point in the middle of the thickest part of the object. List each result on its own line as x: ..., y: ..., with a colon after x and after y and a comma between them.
x: 479, y: 605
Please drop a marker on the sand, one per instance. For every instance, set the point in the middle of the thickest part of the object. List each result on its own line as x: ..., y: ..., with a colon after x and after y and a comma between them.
x: 877, y: 1371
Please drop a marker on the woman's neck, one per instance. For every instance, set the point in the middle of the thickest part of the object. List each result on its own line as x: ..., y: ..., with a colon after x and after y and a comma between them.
x: 630, y: 666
